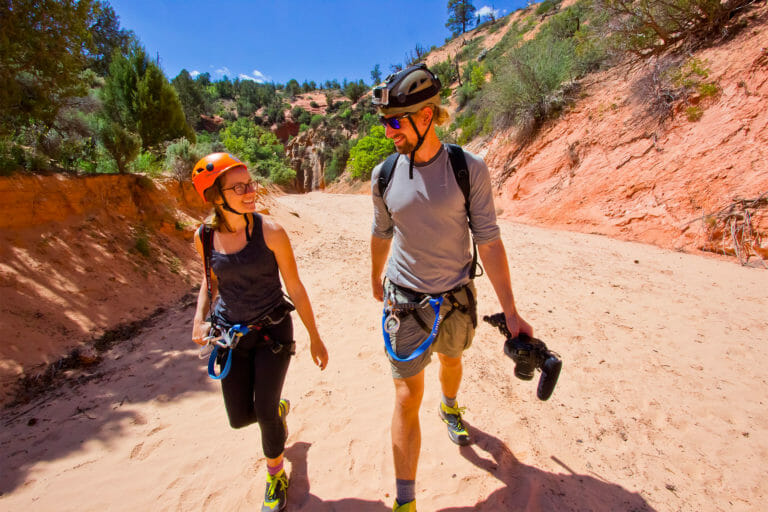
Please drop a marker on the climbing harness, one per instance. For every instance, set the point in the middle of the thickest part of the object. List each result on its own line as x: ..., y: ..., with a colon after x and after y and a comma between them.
x: 226, y: 340
x: 390, y: 322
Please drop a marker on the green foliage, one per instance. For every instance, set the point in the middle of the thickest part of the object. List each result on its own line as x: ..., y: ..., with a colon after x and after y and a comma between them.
x: 159, y: 113
x: 547, y: 6
x: 301, y: 116
x: 146, y: 163
x: 314, y: 104
x: 42, y: 55
x: 138, y: 99
x: 646, y: 27
x: 194, y: 98
x: 338, y: 162
x: 446, y: 72
x: 260, y: 147
x: 107, y: 38
x: 471, y: 50
x: 316, y: 120
x: 694, y: 113
x: 292, y: 88
x: 141, y: 243
x: 369, y: 151
x: 376, y: 75
x: 122, y: 145
x: 461, y: 14
x: 690, y: 74
x: 707, y: 90
x: 277, y: 171
x: 355, y: 90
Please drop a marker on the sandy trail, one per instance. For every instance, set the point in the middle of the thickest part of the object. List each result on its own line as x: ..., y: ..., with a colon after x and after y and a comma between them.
x: 660, y: 405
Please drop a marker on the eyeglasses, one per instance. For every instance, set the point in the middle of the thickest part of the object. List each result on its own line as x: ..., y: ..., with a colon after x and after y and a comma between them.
x: 243, y: 188
x: 393, y: 122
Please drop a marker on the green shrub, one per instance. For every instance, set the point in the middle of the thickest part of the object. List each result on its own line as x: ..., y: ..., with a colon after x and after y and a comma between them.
x: 316, y: 120
x: 709, y: 89
x: 368, y: 151
x: 141, y: 243
x: 694, y: 113
x: 338, y: 162
x: 547, y: 6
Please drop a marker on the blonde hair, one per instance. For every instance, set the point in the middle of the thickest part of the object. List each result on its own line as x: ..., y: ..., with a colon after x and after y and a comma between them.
x: 440, y: 116
x: 216, y: 220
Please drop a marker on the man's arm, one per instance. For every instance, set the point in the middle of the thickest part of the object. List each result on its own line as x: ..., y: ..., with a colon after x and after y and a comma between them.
x: 494, y: 258
x: 379, y: 253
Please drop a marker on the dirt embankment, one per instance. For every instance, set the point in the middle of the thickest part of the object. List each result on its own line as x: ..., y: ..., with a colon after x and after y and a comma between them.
x: 609, y: 166
x: 80, y: 255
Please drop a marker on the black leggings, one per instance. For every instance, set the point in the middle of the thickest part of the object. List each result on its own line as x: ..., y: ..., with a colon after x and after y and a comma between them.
x: 254, y: 384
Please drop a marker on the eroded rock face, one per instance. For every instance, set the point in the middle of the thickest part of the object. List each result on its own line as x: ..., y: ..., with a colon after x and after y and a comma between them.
x: 305, y: 155
x: 608, y: 167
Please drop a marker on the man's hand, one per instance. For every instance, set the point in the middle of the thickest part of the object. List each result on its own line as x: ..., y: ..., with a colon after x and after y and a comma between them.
x: 378, y: 289
x: 516, y: 325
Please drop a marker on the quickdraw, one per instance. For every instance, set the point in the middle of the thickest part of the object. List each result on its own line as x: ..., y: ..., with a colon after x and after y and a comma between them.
x: 225, y: 340
x: 390, y: 324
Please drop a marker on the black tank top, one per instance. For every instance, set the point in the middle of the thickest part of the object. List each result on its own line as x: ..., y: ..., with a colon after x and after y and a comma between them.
x: 249, y: 281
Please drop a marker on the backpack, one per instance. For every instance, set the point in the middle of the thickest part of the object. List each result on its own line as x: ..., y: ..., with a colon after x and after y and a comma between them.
x: 460, y: 172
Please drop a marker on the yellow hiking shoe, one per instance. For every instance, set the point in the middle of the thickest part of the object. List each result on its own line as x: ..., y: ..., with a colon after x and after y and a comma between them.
x: 452, y: 418
x: 276, y: 494
x: 405, y: 507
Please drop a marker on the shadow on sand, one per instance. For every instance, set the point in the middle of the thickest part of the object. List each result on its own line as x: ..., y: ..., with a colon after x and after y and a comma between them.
x: 157, y: 365
x: 530, y: 489
x: 299, y: 497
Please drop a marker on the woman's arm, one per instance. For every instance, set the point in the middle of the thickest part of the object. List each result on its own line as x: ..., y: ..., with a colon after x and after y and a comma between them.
x: 200, y: 327
x: 277, y: 240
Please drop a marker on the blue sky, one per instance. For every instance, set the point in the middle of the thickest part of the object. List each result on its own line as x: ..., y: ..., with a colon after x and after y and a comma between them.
x: 279, y: 40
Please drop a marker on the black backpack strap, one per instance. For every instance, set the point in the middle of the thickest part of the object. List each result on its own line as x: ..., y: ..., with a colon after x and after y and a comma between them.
x: 461, y: 173
x: 206, y: 237
x: 385, y: 176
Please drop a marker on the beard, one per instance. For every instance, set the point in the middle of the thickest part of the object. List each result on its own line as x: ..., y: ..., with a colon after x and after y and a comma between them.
x: 406, y: 147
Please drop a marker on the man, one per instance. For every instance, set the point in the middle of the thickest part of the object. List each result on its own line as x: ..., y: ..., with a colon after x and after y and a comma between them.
x: 422, y: 217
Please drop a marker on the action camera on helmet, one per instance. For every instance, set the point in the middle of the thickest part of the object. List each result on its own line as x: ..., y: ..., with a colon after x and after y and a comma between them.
x: 529, y: 354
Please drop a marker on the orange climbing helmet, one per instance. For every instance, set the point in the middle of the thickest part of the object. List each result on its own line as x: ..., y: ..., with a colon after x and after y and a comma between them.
x: 209, y: 168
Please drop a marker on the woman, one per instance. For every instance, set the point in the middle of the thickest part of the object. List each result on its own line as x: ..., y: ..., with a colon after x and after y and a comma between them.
x: 247, y: 252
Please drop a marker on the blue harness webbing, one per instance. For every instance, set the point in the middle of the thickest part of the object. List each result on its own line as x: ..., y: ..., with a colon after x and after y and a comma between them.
x: 435, y: 303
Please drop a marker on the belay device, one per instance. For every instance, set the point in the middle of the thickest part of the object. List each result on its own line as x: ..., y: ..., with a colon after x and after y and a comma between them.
x: 529, y: 354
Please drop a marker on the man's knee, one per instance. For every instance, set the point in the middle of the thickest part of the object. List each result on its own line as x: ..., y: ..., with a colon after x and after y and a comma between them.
x: 449, y: 363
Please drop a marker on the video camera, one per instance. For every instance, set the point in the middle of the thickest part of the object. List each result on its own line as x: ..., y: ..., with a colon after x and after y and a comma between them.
x: 528, y: 354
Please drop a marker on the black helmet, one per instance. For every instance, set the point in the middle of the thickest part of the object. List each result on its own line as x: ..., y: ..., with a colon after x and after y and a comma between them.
x: 408, y: 90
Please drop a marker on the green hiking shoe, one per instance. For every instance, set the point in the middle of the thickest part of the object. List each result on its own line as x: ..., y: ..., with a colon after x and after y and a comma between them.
x: 276, y: 495
x: 405, y: 507
x: 452, y: 418
x: 282, y: 410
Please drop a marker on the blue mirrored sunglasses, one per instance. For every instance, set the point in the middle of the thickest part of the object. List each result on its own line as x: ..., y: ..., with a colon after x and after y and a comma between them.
x: 393, y: 122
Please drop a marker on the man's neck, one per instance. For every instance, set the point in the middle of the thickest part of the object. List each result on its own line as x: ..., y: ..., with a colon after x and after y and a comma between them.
x: 429, y: 148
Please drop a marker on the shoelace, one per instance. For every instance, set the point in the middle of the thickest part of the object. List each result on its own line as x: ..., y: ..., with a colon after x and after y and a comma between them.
x: 274, y: 481
x: 457, y: 412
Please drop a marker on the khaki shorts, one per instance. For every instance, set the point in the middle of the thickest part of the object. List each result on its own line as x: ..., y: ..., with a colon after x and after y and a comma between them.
x: 454, y: 334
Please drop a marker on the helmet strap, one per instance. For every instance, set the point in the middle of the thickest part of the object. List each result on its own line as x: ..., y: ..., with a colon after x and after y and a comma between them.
x: 420, y: 141
x: 230, y: 209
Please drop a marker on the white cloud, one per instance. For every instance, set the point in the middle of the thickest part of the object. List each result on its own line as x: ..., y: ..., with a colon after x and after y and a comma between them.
x: 256, y: 76
x: 194, y: 73
x: 223, y: 71
x: 488, y: 11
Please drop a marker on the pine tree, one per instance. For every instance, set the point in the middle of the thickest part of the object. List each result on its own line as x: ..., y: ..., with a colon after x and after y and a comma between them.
x: 460, y: 16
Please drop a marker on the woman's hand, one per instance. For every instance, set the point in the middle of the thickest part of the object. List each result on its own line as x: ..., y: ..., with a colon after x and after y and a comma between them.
x: 319, y: 353
x: 199, y: 331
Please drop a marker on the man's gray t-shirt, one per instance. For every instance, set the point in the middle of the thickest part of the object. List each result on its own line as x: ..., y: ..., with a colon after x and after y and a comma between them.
x: 427, y: 220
